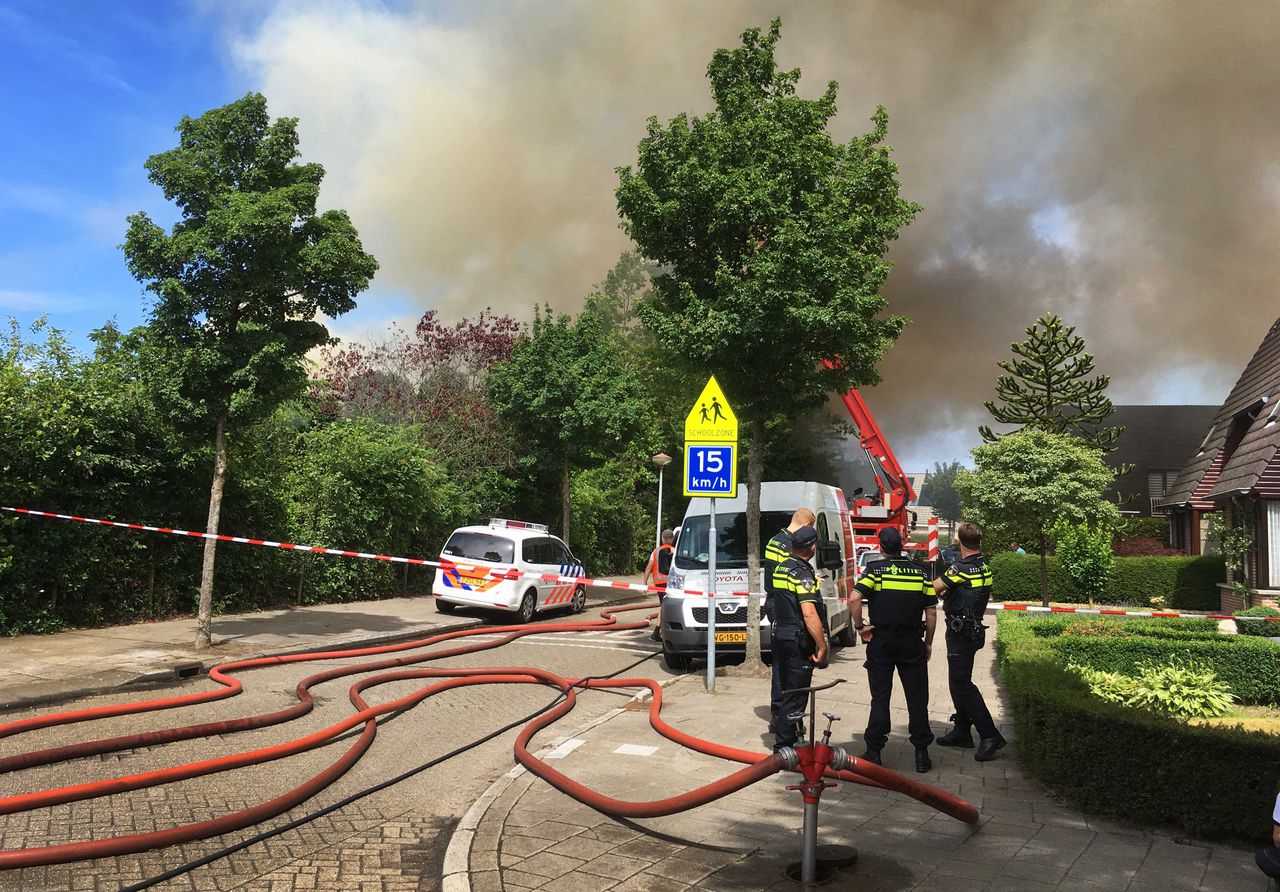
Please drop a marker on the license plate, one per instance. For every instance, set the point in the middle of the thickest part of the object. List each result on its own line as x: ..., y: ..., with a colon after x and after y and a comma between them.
x: 731, y: 637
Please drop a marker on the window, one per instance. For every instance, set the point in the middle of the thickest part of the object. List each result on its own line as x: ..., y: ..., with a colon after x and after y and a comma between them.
x: 731, y: 529
x: 1273, y: 544
x: 823, y: 535
x: 480, y: 547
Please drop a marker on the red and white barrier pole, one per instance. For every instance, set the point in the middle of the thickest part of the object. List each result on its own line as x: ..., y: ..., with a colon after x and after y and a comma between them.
x: 933, y: 538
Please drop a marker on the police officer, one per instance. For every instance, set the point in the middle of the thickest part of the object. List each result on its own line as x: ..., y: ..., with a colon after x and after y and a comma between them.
x: 899, y: 596
x: 799, y: 639
x: 965, y: 589
x: 776, y: 553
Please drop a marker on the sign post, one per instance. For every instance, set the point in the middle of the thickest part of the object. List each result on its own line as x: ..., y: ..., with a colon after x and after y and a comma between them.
x: 711, y: 470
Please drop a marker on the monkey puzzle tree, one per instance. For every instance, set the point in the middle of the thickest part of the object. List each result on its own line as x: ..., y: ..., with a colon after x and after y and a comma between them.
x: 1046, y: 387
x: 241, y: 280
x: 771, y: 237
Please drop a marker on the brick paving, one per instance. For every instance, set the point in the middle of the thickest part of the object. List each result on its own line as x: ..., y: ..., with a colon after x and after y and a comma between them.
x: 533, y: 837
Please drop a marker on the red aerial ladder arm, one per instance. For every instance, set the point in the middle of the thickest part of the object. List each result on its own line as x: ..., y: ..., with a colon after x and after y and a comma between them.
x: 896, y: 490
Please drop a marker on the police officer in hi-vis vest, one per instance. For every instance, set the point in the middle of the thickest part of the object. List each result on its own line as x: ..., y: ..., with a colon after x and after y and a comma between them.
x: 776, y: 553
x: 965, y: 589
x: 799, y: 637
x: 898, y: 635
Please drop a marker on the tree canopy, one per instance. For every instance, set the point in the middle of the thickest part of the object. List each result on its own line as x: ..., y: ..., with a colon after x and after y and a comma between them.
x: 940, y: 493
x: 1024, y: 482
x: 1046, y: 387
x: 770, y: 237
x: 241, y: 281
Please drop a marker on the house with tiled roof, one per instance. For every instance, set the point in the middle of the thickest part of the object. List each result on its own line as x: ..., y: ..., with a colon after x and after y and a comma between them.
x: 1236, y: 471
x: 1151, y: 450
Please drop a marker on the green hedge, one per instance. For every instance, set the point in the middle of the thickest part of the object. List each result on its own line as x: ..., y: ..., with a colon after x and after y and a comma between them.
x: 1261, y: 629
x: 1212, y: 782
x: 1187, y: 583
x: 1251, y: 666
x: 1052, y: 626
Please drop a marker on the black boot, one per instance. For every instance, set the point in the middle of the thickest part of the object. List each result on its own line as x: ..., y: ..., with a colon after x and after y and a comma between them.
x: 923, y: 762
x: 987, y: 748
x: 961, y: 735
x: 872, y: 756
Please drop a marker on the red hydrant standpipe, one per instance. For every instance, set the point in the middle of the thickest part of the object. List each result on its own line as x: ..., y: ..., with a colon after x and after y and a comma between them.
x: 759, y: 765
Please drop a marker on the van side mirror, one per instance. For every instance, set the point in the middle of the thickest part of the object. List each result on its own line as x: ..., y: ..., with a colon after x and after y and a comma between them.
x: 829, y: 556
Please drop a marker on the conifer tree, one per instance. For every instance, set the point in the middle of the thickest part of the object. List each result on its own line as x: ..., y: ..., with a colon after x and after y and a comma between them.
x: 1047, y: 387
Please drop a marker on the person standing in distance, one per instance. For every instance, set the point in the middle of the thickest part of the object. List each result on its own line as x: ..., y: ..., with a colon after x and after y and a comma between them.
x: 965, y: 589
x: 799, y: 640
x: 898, y: 635
x: 776, y: 553
x: 657, y: 570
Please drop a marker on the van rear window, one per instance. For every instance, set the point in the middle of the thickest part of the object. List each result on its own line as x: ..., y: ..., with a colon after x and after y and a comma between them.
x: 732, y: 533
x: 480, y: 547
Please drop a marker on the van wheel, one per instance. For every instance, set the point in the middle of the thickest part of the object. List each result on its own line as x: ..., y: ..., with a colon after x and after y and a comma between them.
x: 579, y: 601
x: 443, y: 606
x: 528, y: 606
x: 846, y: 637
x: 676, y: 662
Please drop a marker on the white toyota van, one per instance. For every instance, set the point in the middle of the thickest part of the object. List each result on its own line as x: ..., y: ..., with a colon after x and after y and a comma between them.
x: 684, y: 617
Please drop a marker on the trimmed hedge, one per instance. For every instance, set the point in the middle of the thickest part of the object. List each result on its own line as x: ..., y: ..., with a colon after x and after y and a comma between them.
x: 1118, y: 626
x: 1186, y: 582
x: 1251, y: 666
x: 1263, y: 629
x: 1213, y: 782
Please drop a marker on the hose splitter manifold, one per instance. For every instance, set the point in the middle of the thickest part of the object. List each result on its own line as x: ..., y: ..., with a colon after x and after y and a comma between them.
x: 817, y: 762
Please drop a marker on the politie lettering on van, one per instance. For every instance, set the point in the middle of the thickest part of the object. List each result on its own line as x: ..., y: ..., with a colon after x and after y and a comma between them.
x: 473, y: 552
x: 683, y: 619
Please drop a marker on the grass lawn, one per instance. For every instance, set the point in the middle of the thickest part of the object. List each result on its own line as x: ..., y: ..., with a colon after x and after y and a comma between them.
x: 1251, y: 718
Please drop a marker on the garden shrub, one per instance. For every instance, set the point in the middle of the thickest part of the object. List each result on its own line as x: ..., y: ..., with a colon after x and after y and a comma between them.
x: 1210, y: 781
x: 1187, y: 582
x: 1261, y: 629
x: 1249, y: 666
x: 1180, y: 690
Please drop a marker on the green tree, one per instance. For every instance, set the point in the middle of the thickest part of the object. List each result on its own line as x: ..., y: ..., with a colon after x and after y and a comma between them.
x: 940, y: 494
x: 1085, y: 553
x: 1046, y: 387
x: 568, y: 395
x: 1024, y: 482
x: 771, y: 239
x: 241, y: 281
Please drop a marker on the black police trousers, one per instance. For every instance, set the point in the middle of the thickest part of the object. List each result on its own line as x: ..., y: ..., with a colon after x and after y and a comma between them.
x: 791, y: 669
x: 970, y: 708
x: 900, y: 648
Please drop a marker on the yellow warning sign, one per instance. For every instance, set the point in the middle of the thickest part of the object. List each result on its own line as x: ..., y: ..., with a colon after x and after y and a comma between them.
x: 711, y: 420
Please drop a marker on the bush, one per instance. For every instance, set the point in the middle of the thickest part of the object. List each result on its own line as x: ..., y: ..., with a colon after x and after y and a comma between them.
x: 1180, y: 690
x: 1210, y: 781
x: 1143, y: 528
x: 1184, y: 582
x: 1262, y: 629
x: 1249, y: 666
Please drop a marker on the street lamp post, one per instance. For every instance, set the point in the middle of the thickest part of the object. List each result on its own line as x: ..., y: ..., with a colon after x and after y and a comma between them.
x: 661, y: 460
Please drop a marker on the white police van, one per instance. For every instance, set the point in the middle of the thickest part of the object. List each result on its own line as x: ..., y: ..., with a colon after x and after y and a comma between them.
x: 498, y: 567
x: 683, y: 622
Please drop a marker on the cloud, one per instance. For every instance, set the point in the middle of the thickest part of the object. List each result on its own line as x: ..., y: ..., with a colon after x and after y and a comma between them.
x: 68, y: 53
x: 1114, y: 163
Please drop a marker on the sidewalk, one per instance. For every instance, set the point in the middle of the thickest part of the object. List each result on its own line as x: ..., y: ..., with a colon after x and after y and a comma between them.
x: 523, y: 834
x: 42, y: 669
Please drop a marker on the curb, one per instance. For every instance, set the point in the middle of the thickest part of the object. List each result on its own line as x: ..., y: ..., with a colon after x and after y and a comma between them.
x: 456, y: 869
x: 193, y: 668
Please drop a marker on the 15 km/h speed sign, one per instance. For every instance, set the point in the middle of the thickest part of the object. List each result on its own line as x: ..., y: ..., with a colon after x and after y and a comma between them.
x: 711, y: 445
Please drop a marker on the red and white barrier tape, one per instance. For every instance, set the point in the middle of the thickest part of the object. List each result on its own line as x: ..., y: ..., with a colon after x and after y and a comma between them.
x: 513, y: 573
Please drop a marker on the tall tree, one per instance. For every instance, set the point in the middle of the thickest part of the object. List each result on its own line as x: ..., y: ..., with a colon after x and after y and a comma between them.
x: 568, y: 395
x: 940, y: 493
x: 1046, y: 386
x: 241, y: 281
x: 771, y: 237
x: 1025, y: 482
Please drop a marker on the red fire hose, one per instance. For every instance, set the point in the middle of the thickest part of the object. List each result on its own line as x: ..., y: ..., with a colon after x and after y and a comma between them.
x: 759, y: 765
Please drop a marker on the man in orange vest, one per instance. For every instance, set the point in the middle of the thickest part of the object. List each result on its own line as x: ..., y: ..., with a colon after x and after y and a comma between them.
x: 658, y: 568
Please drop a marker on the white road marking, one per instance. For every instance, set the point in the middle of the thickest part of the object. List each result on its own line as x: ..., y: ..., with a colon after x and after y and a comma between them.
x: 633, y: 749
x: 565, y: 749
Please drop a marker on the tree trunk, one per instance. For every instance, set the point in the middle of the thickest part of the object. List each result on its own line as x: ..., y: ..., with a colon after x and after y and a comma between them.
x: 204, y: 614
x: 564, y: 500
x: 755, y: 473
x: 1044, y: 570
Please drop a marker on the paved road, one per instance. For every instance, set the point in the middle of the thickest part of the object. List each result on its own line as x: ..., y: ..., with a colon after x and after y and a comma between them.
x: 392, y: 840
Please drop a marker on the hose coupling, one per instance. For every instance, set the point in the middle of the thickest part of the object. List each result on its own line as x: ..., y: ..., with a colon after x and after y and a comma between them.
x: 790, y: 758
x: 839, y: 758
